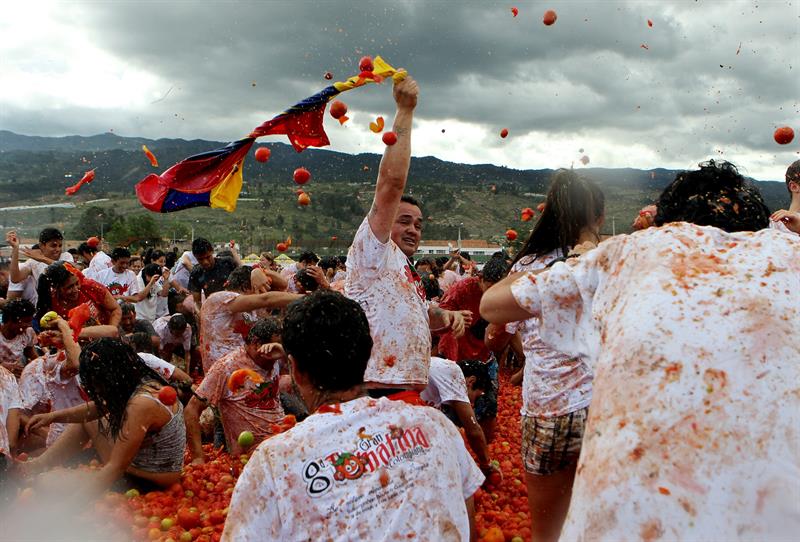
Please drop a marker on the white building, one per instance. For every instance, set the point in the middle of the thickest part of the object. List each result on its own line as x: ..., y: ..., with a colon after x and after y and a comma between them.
x: 438, y: 247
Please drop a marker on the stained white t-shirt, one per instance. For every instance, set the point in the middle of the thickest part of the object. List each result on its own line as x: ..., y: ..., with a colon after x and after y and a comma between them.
x: 29, y: 286
x: 221, y: 330
x: 553, y: 383
x: 446, y: 384
x: 63, y: 392
x: 147, y: 308
x: 124, y: 283
x: 380, y: 279
x: 12, y: 351
x: 9, y: 399
x: 161, y: 325
x: 693, y: 429
x: 33, y: 385
x: 99, y: 262
x: 780, y: 226
x: 164, y: 368
x: 385, y: 471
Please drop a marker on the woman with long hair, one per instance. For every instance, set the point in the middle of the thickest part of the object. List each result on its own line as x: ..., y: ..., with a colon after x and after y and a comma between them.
x: 136, y: 435
x: 62, y: 287
x: 556, y: 387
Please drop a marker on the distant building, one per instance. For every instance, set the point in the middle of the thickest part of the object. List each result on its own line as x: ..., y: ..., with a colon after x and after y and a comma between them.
x: 476, y: 248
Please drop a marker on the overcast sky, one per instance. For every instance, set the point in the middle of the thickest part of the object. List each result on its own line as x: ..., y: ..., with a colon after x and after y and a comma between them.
x: 716, y: 78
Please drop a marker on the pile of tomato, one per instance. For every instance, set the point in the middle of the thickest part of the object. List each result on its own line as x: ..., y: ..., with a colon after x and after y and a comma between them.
x: 196, y: 508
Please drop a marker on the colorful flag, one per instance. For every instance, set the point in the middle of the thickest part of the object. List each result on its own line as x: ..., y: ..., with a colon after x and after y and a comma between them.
x: 214, y: 178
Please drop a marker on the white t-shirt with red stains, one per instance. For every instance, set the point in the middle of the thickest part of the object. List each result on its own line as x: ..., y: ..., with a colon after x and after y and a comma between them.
x: 29, y: 285
x: 12, y: 351
x: 124, y: 283
x: 164, y: 368
x: 553, y: 383
x: 380, y: 279
x: 385, y: 471
x: 693, y: 428
x: 446, y: 384
x: 9, y: 399
x: 221, y: 330
x: 33, y: 385
x: 780, y: 226
x: 64, y: 392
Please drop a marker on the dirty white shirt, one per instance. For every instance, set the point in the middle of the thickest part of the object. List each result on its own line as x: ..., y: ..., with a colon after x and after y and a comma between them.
x: 385, y: 470
x: 553, y: 383
x: 446, y: 384
x: 380, y: 279
x: 9, y: 399
x: 693, y: 432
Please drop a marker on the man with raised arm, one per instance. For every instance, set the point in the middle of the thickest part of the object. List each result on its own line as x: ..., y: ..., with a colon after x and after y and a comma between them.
x: 381, y: 276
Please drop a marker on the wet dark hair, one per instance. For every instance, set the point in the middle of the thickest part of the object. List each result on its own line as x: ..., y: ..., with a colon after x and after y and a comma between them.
x: 264, y: 330
x: 793, y: 174
x: 85, y: 247
x: 466, y: 255
x: 328, y: 336
x: 405, y: 198
x: 156, y: 254
x: 430, y: 262
x: 226, y: 253
x: 239, y: 279
x: 328, y: 262
x: 431, y: 286
x: 149, y: 270
x: 474, y: 367
x: 174, y: 298
x: 201, y: 246
x: 110, y: 373
x: 715, y: 195
x: 120, y: 252
x: 50, y: 234
x: 308, y: 257
x: 441, y: 260
x: 306, y: 281
x: 569, y: 207
x: 177, y: 323
x: 494, y: 270
x: 171, y: 258
x: 141, y: 341
x: 127, y: 308
x: 16, y: 309
x: 53, y: 277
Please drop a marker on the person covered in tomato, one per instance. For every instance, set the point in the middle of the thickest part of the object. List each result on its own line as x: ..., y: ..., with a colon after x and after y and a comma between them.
x: 226, y: 317
x: 245, y: 386
x: 139, y: 439
x: 690, y: 329
x: 410, y: 460
x: 62, y: 288
x: 557, y: 386
x: 17, y: 338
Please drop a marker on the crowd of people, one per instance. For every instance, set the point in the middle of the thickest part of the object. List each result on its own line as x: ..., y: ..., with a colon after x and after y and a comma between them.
x: 662, y: 363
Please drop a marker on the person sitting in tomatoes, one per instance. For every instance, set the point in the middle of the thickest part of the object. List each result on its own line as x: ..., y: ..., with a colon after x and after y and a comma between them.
x: 410, y: 461
x: 134, y: 422
x: 244, y: 386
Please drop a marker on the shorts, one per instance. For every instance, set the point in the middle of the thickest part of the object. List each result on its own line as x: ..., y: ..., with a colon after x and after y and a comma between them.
x: 486, y: 404
x: 552, y: 444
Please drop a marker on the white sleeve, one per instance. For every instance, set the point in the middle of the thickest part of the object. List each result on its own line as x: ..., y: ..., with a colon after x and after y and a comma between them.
x: 367, y: 254
x: 253, y: 513
x: 133, y: 286
x: 67, y: 257
x: 17, y: 286
x: 449, y: 381
x: 164, y: 368
x: 32, y: 388
x: 14, y: 397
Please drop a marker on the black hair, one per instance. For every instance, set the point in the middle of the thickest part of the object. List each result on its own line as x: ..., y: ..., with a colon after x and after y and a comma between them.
x: 73, y: 251
x: 264, y: 330
x: 120, y: 252
x: 306, y: 281
x: 177, y: 323
x: 127, y: 308
x: 171, y: 258
x: 110, y: 373
x: 239, y: 279
x: 441, y: 260
x: 226, y: 253
x: 156, y: 254
x: 16, y: 309
x: 201, y: 246
x: 141, y: 341
x: 793, y: 174
x: 432, y: 263
x: 308, y: 257
x: 465, y: 254
x: 174, y: 298
x: 149, y: 270
x: 147, y: 256
x: 478, y: 369
x: 405, y: 198
x: 328, y: 336
x: 85, y: 247
x: 494, y: 270
x: 50, y: 234
x: 342, y: 260
x: 53, y: 277
x: 431, y: 286
x: 328, y: 262
x: 715, y: 195
x: 569, y: 207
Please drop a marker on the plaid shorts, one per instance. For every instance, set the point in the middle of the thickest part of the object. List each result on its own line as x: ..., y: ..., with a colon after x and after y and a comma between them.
x: 552, y: 444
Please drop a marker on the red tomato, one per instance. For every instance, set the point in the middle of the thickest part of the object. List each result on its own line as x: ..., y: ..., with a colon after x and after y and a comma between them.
x: 511, y: 235
x: 365, y: 64
x: 262, y: 154
x: 514, y: 11
x: 303, y: 199
x: 549, y: 17
x: 216, y: 517
x: 328, y: 76
x: 338, y: 109
x: 389, y: 138
x: 93, y: 242
x: 504, y: 133
x: 301, y: 175
x: 281, y: 247
x: 783, y: 135
x: 168, y: 395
